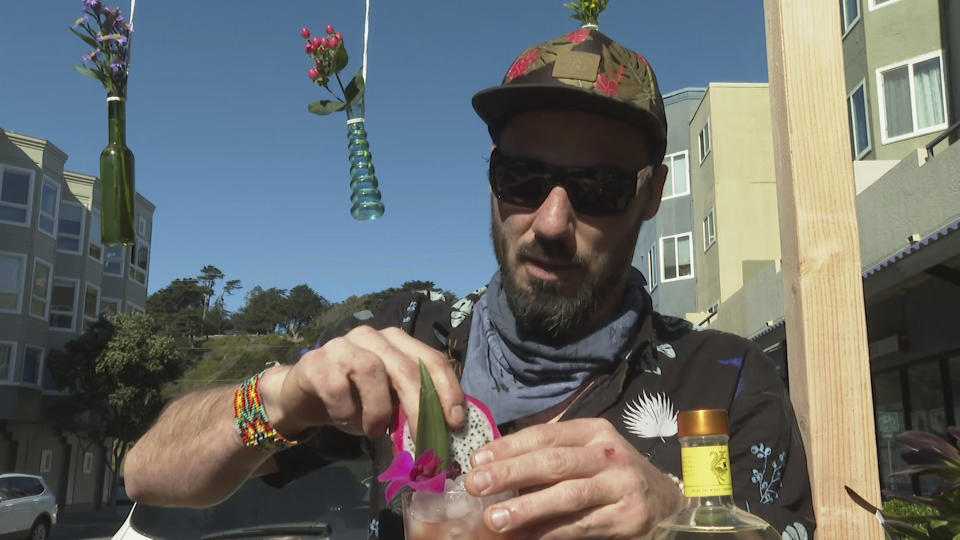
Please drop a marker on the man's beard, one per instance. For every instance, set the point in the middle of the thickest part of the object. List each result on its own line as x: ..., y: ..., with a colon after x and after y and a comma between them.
x: 545, y: 312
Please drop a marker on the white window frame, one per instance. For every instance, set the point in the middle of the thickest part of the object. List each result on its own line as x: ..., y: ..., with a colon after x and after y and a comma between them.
x: 47, y: 181
x: 866, y: 119
x: 74, y: 319
x: 843, y: 18
x: 653, y: 266
x: 663, y: 275
x: 87, y: 462
x: 13, y: 361
x: 83, y: 219
x: 135, y: 265
x: 704, y: 148
x: 714, y: 307
x: 95, y: 230
x: 23, y: 279
x: 96, y: 307
x: 709, y: 233
x: 29, y: 206
x: 117, y: 301
x: 50, y: 279
x: 134, y: 308
x: 43, y: 354
x: 913, y: 97
x: 46, y: 461
x: 873, y: 6
x: 142, y: 227
x: 122, y: 260
x: 672, y: 157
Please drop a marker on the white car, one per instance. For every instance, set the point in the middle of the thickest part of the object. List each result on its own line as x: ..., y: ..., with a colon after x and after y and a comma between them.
x: 27, y: 507
x: 327, y: 504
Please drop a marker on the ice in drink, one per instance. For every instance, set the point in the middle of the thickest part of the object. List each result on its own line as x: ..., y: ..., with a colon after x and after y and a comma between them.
x: 451, y: 515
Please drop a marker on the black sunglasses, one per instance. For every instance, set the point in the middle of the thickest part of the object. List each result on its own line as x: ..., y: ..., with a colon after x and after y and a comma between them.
x: 593, y: 191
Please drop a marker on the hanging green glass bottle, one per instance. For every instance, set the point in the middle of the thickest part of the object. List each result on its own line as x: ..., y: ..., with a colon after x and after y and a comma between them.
x: 365, y: 203
x: 116, y: 179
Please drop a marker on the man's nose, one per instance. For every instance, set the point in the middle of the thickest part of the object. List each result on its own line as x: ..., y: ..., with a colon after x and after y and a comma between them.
x: 555, y: 216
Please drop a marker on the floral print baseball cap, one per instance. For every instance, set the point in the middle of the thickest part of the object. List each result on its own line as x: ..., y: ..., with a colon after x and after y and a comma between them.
x: 583, y: 70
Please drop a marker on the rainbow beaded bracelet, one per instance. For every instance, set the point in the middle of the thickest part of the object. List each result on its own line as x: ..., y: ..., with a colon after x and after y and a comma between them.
x: 252, y: 423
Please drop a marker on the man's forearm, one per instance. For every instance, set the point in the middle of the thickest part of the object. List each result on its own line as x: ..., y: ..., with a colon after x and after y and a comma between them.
x: 192, y: 456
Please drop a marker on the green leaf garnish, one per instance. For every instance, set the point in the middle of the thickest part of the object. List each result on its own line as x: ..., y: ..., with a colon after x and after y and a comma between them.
x: 324, y: 107
x: 431, y: 425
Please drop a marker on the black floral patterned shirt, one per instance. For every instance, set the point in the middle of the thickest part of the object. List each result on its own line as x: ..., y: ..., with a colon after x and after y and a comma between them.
x: 669, y: 366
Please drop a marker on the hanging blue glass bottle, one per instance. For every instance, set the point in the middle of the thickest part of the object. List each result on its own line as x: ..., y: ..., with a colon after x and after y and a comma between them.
x: 365, y: 196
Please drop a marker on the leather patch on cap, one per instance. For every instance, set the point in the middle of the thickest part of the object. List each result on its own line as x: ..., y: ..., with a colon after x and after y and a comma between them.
x: 578, y: 65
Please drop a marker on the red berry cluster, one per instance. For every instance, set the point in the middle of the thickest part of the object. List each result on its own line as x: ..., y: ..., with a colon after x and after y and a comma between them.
x: 321, y: 51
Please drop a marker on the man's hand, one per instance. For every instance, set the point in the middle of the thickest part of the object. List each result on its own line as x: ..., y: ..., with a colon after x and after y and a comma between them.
x: 594, y: 483
x: 355, y: 382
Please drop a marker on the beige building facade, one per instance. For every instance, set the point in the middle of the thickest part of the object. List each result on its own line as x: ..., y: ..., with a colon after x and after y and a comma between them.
x: 56, y: 278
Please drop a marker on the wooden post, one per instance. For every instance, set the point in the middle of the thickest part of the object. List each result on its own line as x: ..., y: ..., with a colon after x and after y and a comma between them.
x: 823, y: 289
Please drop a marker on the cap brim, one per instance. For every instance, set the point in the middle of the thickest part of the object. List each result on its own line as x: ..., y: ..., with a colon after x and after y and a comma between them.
x: 496, y: 105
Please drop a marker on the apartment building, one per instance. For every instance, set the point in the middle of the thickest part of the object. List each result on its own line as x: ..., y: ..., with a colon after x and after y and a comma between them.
x: 56, y: 278
x: 664, y: 251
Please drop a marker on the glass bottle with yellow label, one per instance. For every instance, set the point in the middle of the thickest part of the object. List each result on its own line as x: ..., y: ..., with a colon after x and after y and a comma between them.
x: 708, y: 485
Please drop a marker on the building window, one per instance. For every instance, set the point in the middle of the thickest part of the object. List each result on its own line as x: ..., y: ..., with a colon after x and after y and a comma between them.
x: 15, y: 190
x: 8, y: 351
x: 13, y: 269
x: 912, y: 98
x: 87, y: 462
x: 70, y: 228
x: 109, y: 306
x: 63, y: 305
x: 40, y: 289
x: 709, y: 230
x: 138, y: 262
x: 96, y: 243
x: 849, y: 14
x: 134, y: 309
x: 859, y: 126
x: 91, y: 305
x: 653, y: 267
x: 676, y: 253
x: 29, y: 371
x: 46, y: 461
x: 678, y: 177
x: 49, y: 202
x: 877, y: 4
x: 113, y: 263
x: 704, y: 140
x: 142, y: 227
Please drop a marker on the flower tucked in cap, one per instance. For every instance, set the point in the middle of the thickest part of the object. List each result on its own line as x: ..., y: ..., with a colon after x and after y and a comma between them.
x: 583, y: 70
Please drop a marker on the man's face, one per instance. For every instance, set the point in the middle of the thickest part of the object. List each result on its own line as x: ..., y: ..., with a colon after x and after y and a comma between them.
x: 562, y: 269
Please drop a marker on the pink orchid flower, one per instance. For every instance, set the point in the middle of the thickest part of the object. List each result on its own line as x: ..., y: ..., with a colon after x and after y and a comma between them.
x: 424, y: 474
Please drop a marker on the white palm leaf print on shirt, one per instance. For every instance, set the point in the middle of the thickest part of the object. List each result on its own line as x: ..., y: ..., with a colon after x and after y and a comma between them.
x: 650, y: 416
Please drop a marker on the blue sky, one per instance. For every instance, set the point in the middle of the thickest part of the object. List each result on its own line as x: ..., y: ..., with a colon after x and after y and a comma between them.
x: 245, y: 178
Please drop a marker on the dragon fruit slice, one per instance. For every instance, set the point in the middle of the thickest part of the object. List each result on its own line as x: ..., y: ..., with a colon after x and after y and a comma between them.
x: 479, y: 429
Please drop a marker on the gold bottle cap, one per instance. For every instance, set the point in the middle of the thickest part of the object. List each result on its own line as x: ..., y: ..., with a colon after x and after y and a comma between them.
x: 702, y: 422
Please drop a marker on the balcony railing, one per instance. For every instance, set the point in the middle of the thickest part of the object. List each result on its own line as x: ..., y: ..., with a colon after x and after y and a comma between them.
x: 939, y: 138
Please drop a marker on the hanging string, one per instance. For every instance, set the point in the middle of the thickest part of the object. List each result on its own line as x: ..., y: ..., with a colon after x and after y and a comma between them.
x: 366, y: 32
x: 133, y: 5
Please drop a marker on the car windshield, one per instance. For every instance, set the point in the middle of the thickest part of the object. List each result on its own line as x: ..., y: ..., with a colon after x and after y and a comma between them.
x: 335, y: 495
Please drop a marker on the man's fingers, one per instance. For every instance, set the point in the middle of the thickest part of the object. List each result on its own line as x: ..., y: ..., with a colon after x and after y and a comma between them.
x: 372, y: 385
x: 568, y: 498
x: 541, y: 467
x: 444, y: 379
x: 578, y: 432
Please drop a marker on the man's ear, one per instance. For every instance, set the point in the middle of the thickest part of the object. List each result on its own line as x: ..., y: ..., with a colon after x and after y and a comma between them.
x: 650, y: 189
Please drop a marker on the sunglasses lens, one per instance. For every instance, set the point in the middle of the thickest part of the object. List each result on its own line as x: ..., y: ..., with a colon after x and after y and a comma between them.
x: 592, y: 191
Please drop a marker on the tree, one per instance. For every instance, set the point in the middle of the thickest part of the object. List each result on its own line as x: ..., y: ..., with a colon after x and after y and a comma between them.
x: 263, y: 311
x: 178, y: 308
x: 208, y: 277
x: 115, y: 373
x: 221, y: 313
x: 301, y: 306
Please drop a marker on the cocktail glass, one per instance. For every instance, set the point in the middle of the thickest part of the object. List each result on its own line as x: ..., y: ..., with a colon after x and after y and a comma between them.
x: 453, y: 514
